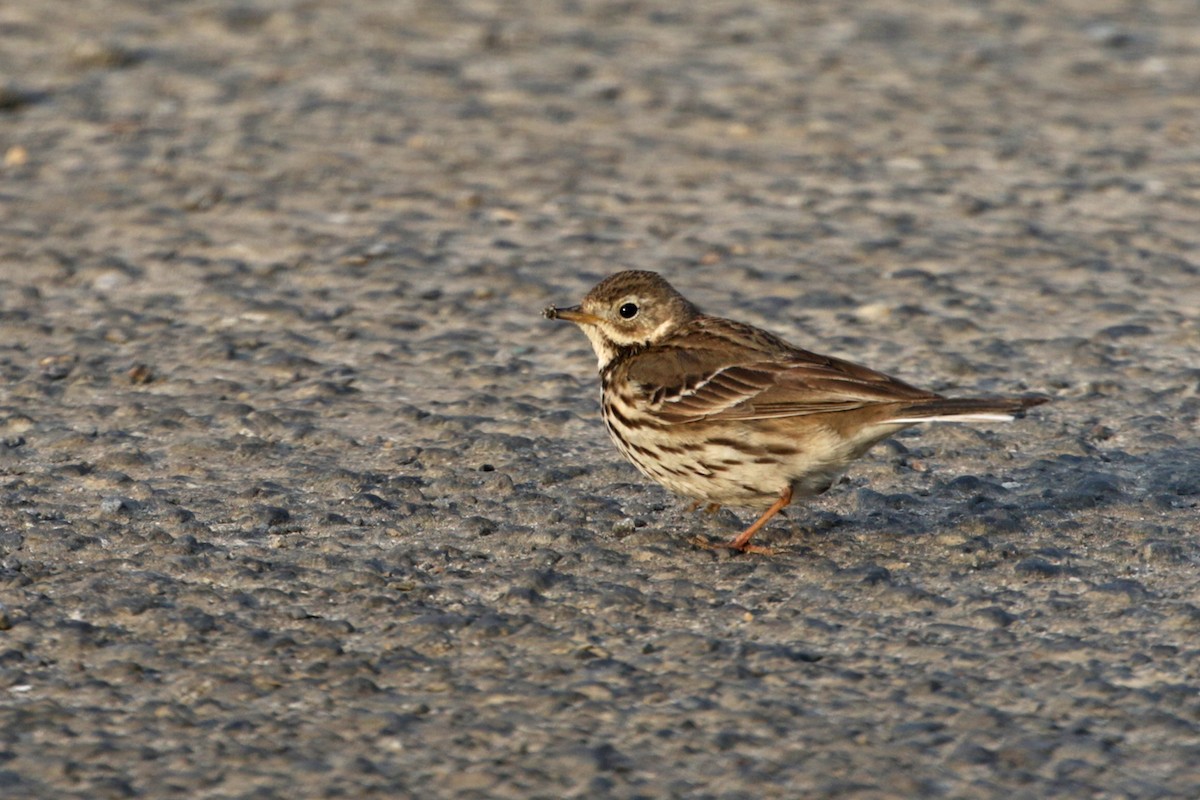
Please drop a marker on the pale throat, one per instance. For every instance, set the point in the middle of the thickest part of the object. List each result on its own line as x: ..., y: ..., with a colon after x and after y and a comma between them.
x: 605, y: 350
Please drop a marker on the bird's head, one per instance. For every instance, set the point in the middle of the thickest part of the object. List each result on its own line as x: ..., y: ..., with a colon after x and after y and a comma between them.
x: 631, y: 309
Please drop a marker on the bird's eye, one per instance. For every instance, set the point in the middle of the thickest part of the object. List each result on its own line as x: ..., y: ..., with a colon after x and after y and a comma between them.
x: 628, y: 311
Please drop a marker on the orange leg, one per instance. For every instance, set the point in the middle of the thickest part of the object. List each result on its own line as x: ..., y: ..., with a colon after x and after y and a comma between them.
x: 742, y: 542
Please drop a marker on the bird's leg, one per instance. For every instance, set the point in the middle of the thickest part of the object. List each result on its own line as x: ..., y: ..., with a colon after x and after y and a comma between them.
x: 742, y: 542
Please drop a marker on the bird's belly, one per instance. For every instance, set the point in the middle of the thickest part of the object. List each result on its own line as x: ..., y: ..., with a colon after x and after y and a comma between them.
x: 732, y: 465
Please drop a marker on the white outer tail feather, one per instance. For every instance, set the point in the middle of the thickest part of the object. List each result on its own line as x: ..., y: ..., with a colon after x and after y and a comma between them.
x: 980, y: 417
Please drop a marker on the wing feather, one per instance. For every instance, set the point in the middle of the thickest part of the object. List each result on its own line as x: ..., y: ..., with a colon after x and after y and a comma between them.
x: 694, y: 378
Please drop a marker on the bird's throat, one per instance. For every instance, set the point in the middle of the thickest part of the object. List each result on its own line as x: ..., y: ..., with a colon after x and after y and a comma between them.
x: 614, y: 355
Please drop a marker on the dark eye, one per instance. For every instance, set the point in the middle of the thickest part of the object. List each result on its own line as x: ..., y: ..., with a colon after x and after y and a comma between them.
x: 628, y: 311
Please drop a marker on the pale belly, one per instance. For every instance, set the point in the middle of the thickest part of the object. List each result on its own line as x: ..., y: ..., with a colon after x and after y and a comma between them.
x: 750, y: 468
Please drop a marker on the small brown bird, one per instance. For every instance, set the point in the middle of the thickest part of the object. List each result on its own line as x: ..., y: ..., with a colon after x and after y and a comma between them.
x: 728, y: 414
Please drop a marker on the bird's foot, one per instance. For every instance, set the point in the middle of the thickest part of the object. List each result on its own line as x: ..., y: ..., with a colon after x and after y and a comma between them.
x: 757, y: 549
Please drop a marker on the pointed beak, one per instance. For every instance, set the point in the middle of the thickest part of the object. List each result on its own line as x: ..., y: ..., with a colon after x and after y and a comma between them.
x: 572, y: 314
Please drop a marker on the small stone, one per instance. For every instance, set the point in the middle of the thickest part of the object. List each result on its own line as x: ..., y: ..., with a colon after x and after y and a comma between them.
x: 272, y: 515
x: 478, y: 526
x: 55, y: 368
x: 623, y: 527
x: 16, y: 156
x: 202, y: 198
x: 1038, y: 566
x: 118, y: 505
x: 997, y: 616
x: 1124, y: 331
x: 92, y: 54
x: 140, y: 374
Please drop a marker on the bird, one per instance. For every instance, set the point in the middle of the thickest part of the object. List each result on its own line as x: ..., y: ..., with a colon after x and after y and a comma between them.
x: 728, y: 414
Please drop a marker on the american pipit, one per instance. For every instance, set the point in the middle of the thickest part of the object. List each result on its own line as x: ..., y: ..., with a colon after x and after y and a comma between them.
x: 728, y: 414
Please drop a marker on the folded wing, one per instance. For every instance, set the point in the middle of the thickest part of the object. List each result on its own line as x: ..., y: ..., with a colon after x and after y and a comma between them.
x: 736, y: 383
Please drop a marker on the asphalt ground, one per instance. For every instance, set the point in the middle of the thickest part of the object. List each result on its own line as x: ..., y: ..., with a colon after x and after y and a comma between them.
x: 302, y: 498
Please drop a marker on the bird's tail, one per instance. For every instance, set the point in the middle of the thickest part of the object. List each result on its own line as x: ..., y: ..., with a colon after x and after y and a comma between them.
x: 967, y: 409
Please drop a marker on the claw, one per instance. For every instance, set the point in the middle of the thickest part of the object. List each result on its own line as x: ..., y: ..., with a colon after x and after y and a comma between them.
x: 757, y: 549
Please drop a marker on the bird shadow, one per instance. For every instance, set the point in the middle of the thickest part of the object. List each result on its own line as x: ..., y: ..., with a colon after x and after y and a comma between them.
x: 1049, y: 493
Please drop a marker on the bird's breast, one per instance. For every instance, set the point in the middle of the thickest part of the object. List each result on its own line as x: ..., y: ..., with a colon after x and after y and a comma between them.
x: 737, y: 464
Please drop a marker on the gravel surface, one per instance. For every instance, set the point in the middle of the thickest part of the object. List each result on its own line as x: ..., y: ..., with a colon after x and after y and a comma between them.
x: 302, y: 498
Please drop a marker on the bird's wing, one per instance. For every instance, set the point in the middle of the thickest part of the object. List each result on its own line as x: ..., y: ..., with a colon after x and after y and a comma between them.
x: 692, y: 384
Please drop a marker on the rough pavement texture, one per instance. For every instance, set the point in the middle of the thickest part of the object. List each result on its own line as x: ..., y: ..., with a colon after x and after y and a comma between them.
x: 302, y: 498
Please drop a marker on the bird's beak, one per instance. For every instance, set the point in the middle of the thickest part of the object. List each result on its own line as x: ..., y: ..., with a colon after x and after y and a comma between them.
x: 572, y: 314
